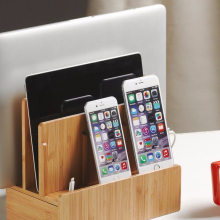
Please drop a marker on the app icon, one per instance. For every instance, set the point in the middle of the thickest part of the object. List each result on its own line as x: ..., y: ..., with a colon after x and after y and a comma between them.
x: 158, y: 116
x: 119, y: 143
x: 145, y: 131
x: 114, y: 156
x: 99, y: 148
x: 143, y: 159
x: 115, y: 123
x: 143, y: 119
x: 102, y: 126
x: 117, y: 133
x: 154, y: 93
x: 151, y: 118
x: 111, y: 169
x: 138, y: 133
x: 114, y: 113
x: 153, y: 129
x: 111, y: 134
x: 158, y: 155
x: 96, y: 128
x: 140, y: 145
x: 104, y: 136
x: 139, y: 96
x: 94, y: 118
x: 102, y: 158
x: 156, y: 104
x: 108, y: 157
x: 113, y: 144
x: 147, y: 142
x: 131, y: 98
x: 117, y: 167
x: 106, y: 146
x: 107, y: 114
x: 133, y: 110
x: 124, y: 166
x: 150, y: 157
x: 146, y: 94
x: 160, y: 127
x: 98, y: 138
x: 149, y: 106
x: 155, y: 141
x: 141, y: 108
x: 104, y: 171
x: 166, y: 153
x: 136, y: 121
x: 109, y: 124
x: 100, y: 116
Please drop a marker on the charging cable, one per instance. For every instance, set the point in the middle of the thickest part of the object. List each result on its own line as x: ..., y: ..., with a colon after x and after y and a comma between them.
x: 171, y: 132
x: 72, y: 184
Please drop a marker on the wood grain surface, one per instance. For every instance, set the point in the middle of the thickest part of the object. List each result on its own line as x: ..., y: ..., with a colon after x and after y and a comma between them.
x: 139, y: 197
x: 21, y: 206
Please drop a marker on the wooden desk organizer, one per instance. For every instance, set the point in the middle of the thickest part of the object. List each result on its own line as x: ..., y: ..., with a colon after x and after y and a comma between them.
x: 64, y: 152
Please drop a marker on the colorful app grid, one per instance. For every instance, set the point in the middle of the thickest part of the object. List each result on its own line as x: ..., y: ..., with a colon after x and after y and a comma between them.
x: 148, y: 124
x: 109, y: 141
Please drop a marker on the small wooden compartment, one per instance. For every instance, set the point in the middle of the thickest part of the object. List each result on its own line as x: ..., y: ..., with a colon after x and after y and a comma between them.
x: 64, y: 152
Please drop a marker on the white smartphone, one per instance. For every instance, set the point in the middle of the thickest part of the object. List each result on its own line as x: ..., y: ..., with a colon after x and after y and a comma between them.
x: 107, y: 140
x: 147, y: 123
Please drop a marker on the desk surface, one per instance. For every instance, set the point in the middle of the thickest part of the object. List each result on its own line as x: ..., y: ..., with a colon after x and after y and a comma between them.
x: 194, y: 152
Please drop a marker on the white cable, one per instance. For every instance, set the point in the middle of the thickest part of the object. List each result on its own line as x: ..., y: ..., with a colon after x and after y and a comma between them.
x: 72, y: 185
x: 174, y: 135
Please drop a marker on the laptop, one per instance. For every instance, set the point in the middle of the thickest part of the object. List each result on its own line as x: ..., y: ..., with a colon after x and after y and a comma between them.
x: 65, y: 44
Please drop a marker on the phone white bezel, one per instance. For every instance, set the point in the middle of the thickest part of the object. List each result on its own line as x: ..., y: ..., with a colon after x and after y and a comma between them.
x: 96, y: 106
x: 136, y: 84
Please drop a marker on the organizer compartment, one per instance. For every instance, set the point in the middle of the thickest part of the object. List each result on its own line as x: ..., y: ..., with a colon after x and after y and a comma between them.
x: 64, y: 152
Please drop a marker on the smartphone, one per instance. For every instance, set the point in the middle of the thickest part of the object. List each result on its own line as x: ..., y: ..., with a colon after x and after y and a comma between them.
x: 107, y: 140
x: 147, y: 123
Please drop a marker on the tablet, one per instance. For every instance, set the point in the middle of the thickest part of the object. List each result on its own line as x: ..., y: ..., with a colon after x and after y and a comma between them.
x: 64, y: 92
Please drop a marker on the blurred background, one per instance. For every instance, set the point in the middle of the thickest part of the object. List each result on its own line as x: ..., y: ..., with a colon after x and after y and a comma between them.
x: 193, y: 49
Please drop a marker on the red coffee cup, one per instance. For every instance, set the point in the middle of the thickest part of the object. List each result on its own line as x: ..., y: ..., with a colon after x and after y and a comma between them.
x: 215, y: 166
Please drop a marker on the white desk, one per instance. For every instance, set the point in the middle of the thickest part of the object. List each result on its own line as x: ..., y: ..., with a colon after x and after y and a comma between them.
x: 194, y: 152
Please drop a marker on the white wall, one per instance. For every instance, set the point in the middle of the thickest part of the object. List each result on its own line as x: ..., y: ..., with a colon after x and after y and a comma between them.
x: 193, y: 59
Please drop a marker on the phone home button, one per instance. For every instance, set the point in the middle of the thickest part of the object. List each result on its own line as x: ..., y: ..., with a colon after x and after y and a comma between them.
x: 116, y: 178
x: 156, y: 167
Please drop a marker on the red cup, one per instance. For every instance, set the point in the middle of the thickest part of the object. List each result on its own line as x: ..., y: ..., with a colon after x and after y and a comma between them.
x: 215, y: 166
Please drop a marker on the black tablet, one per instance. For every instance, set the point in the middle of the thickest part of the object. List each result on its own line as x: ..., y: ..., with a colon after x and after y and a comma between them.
x: 64, y: 92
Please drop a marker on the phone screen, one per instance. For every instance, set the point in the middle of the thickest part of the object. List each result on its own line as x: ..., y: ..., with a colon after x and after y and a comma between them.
x: 148, y: 125
x: 109, y: 142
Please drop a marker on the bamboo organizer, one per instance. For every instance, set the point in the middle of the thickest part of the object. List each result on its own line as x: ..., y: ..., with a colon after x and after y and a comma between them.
x: 64, y: 152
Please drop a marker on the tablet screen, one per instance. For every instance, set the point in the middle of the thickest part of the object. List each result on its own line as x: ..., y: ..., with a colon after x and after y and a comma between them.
x: 64, y: 92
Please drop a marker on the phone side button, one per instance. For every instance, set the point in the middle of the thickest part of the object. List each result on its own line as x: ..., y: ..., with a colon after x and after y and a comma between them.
x: 156, y: 167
